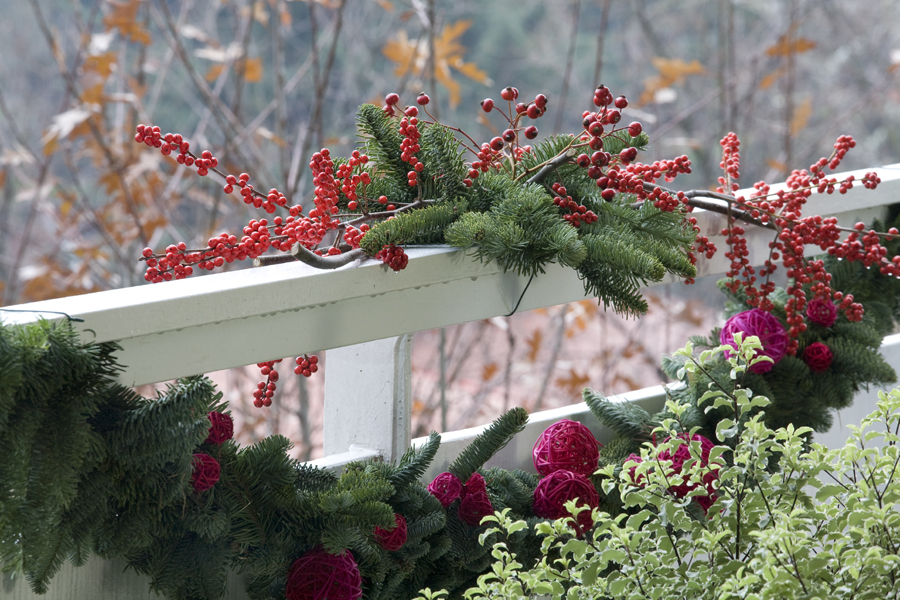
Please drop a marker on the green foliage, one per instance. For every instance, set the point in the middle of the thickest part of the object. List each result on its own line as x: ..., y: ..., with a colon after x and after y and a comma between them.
x: 414, y: 227
x: 488, y: 443
x: 505, y: 217
x: 821, y: 526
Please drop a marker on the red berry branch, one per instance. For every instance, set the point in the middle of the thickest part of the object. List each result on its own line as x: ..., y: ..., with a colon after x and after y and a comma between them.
x: 326, y: 237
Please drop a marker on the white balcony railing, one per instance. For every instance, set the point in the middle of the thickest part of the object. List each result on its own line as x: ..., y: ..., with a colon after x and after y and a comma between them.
x: 232, y: 319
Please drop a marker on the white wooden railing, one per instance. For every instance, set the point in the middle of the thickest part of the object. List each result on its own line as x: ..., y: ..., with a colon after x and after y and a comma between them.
x: 243, y: 317
x: 232, y: 319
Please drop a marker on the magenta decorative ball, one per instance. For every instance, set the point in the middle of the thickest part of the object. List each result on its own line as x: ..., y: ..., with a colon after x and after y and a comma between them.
x: 567, y: 445
x: 821, y: 312
x: 818, y: 357
x: 474, y: 506
x: 559, y: 487
x: 205, y: 472
x: 763, y: 325
x: 446, y: 487
x: 318, y: 575
x: 394, y: 538
x: 682, y: 454
x: 474, y: 485
x: 221, y: 428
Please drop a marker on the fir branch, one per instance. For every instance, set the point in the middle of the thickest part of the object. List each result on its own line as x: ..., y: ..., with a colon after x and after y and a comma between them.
x: 488, y: 443
x: 625, y: 418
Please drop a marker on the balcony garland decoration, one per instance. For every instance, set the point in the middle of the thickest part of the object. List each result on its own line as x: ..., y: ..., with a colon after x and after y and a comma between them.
x: 94, y: 468
x: 115, y: 478
x: 837, y: 358
x: 581, y: 200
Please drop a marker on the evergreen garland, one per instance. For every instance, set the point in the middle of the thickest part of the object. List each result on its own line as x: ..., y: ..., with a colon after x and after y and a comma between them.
x: 507, y: 214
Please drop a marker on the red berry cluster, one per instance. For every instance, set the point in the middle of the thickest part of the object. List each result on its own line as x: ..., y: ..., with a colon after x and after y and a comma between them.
x: 390, y: 101
x: 150, y: 135
x: 352, y: 235
x: 349, y: 181
x: 409, y: 127
x: 808, y: 278
x: 731, y: 164
x: 577, y: 214
x: 262, y: 396
x: 306, y: 365
x: 491, y: 153
x: 394, y: 257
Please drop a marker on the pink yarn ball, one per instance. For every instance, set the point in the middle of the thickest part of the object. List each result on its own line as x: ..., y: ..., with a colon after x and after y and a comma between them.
x: 392, y: 539
x: 446, y: 487
x: 559, y: 487
x: 566, y: 445
x: 683, y: 454
x: 474, y: 506
x: 318, y: 575
x: 205, y: 472
x: 821, y: 312
x: 763, y: 325
x: 474, y: 485
x: 221, y: 428
x: 818, y: 357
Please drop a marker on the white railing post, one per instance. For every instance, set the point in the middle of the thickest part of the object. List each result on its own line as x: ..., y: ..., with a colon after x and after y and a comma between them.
x: 367, y: 398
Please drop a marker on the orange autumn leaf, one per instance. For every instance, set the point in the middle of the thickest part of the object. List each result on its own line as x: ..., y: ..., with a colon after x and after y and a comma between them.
x: 573, y: 382
x: 787, y: 44
x: 123, y: 16
x: 672, y: 71
x: 776, y: 165
x: 251, y: 69
x: 101, y: 64
x: 771, y: 78
x: 488, y: 371
x: 534, y: 344
x: 801, y: 116
x: 412, y: 57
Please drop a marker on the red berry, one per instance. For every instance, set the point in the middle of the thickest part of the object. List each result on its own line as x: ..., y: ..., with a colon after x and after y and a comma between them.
x: 423, y: 99
x: 509, y: 93
x: 533, y: 111
x: 635, y: 129
x: 487, y: 105
x: 509, y: 135
x: 583, y: 160
x: 521, y: 108
x: 540, y: 101
x: 621, y: 102
x: 531, y: 132
x: 595, y: 128
x: 497, y: 143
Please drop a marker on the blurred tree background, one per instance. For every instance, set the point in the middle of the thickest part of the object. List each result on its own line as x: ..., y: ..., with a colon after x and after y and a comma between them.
x: 265, y: 83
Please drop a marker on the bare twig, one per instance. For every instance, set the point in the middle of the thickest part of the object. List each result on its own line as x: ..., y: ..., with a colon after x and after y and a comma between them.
x: 567, y: 74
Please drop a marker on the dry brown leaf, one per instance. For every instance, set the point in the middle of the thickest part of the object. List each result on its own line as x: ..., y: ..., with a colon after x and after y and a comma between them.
x: 102, y: 64
x: 534, y: 344
x: 123, y: 16
x: 672, y: 71
x: 2, y: 177
x: 412, y: 57
x: 386, y: 5
x: 771, y: 78
x: 776, y: 165
x: 801, y: 116
x: 251, y: 68
x: 630, y: 383
x: 573, y: 382
x: 488, y: 371
x: 787, y: 44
